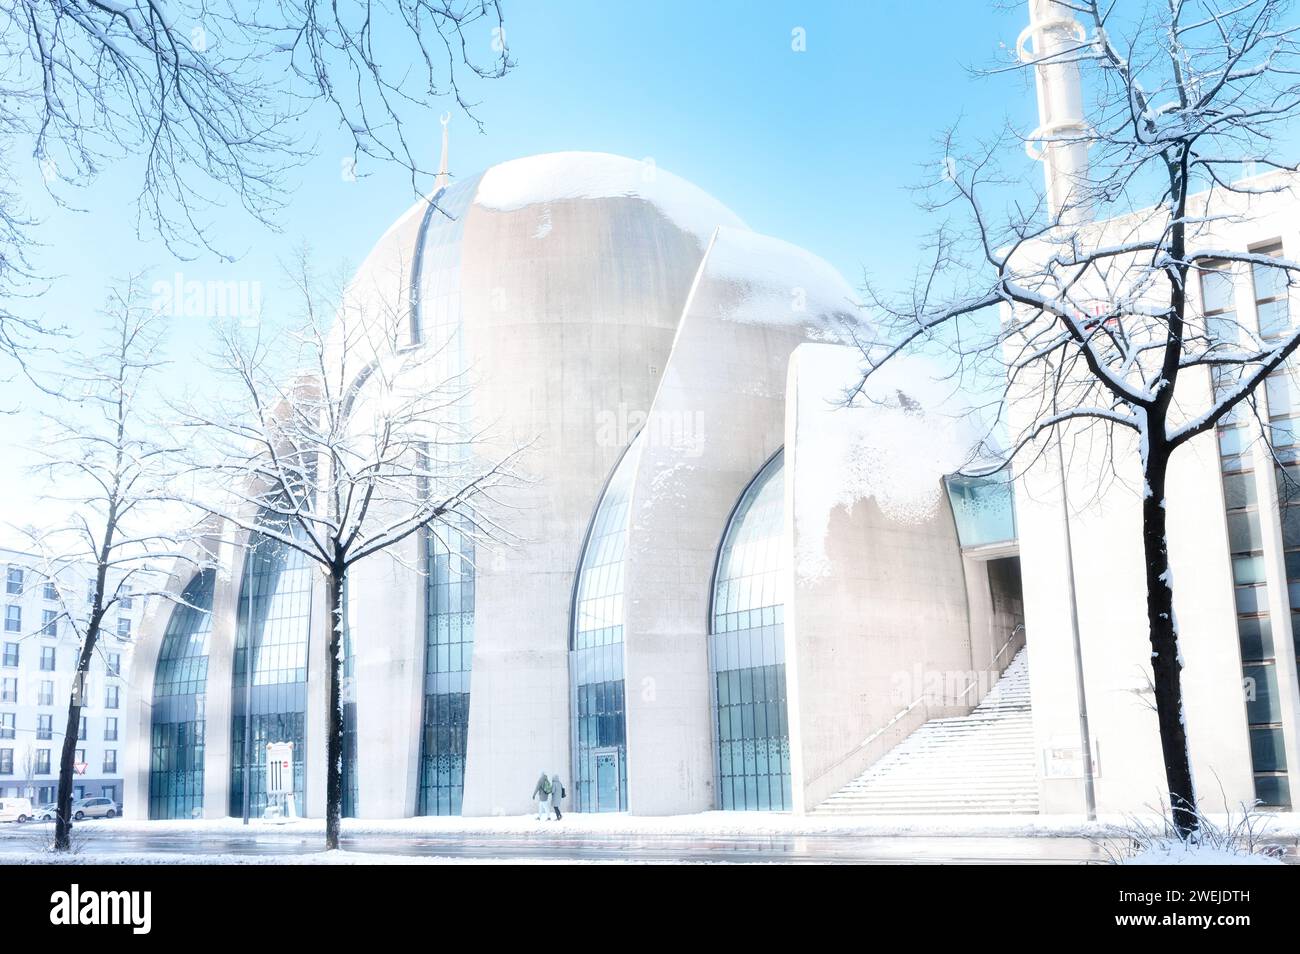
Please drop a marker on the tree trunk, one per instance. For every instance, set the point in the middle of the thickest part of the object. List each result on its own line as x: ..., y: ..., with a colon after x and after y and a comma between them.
x: 1165, y: 662
x: 334, y: 702
x: 63, y: 809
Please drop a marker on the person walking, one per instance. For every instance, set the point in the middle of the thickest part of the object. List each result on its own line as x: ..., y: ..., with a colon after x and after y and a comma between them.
x: 542, y: 793
x: 557, y: 793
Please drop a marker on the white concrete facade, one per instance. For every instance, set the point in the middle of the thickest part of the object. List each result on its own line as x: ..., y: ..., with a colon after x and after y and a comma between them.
x: 592, y: 303
x: 1105, y: 529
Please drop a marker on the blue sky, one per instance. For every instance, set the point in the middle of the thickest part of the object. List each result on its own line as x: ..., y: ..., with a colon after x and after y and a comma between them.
x: 817, y: 147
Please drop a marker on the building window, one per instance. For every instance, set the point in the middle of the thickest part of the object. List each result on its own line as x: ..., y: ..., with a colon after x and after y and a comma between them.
x: 47, y: 659
x: 44, y: 727
x: 596, y: 650
x: 42, y: 762
x: 110, y: 729
x: 448, y: 652
x: 6, y: 761
x: 110, y: 761
x: 278, y: 585
x: 11, y: 655
x: 82, y: 729
x: 110, y: 792
x: 6, y: 725
x: 45, y: 697
x: 124, y: 598
x: 51, y: 590
x: 79, y: 756
x: 78, y: 791
x: 46, y: 794
x: 123, y: 627
x: 747, y: 651
x: 91, y: 592
x: 114, y: 664
x: 110, y: 697
x: 13, y: 619
x: 1246, y: 544
x: 49, y: 623
x: 8, y: 690
x: 14, y: 581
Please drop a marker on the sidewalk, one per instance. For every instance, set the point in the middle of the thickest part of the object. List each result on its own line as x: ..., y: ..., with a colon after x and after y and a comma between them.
x: 1280, y: 826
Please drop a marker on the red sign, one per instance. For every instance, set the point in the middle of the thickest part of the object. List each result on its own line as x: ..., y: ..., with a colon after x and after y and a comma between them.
x: 80, y: 767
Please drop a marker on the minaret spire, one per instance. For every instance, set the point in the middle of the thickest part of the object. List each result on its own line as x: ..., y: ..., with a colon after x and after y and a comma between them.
x: 1061, y: 128
x: 440, y: 182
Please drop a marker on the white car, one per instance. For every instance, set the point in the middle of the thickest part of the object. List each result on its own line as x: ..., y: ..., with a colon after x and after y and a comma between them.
x: 15, y: 809
x: 45, y: 812
x: 94, y: 808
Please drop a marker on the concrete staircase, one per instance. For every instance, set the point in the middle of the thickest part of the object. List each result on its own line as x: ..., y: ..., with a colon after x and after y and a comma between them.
x: 981, y: 763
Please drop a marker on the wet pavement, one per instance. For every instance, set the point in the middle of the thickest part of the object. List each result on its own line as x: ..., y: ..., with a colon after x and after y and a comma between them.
x: 587, y: 846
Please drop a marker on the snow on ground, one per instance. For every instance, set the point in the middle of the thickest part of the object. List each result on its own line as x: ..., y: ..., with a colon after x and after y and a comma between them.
x: 1281, y: 825
x: 1174, y: 852
x: 308, y: 858
x: 537, y: 180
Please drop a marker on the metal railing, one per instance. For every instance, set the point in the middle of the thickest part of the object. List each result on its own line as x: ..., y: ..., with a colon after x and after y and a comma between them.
x: 993, y: 663
x: 903, y: 712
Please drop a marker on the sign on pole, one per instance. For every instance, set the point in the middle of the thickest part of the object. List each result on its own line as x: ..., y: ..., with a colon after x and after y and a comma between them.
x: 279, y: 768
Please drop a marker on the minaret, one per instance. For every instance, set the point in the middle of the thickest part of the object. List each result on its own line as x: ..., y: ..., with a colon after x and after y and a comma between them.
x: 440, y: 182
x: 1060, y: 107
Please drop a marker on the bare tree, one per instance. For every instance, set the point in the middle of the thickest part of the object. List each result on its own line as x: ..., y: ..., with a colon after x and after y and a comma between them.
x: 208, y: 96
x: 98, y: 448
x: 367, y: 443
x: 1092, y: 278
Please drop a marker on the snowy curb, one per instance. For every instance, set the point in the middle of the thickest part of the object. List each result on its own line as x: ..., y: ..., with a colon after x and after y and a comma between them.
x: 1278, y: 827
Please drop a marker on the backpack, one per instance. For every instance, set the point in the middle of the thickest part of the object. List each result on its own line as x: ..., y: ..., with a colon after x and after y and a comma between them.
x: 546, y: 787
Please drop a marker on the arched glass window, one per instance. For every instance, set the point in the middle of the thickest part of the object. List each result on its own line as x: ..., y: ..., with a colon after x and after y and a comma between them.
x: 177, y: 720
x: 275, y: 595
x: 448, y: 652
x: 747, y: 651
x: 596, y: 651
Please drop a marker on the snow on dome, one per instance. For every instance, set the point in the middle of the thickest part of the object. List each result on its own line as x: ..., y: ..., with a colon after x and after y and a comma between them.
x: 556, y: 176
x: 783, y: 284
x: 894, y: 446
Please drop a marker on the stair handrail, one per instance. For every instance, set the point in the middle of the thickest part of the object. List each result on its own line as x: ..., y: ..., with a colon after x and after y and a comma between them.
x: 1019, y: 628
x: 894, y: 720
x: 901, y: 713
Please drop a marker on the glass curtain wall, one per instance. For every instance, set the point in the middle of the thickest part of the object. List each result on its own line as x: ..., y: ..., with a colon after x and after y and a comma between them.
x: 177, y: 719
x: 1255, y: 629
x: 269, y: 697
x: 597, y: 705
x: 747, y: 651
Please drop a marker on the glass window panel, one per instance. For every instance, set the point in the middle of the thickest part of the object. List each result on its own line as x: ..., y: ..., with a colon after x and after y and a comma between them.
x: 1267, y: 750
x: 746, y: 650
x: 1217, y: 290
x: 1261, y: 694
x: 1283, y: 392
x: 1273, y: 791
x: 1239, y: 491
x: 1250, y: 599
x: 1256, y: 638
x: 1244, y: 534
x: 1232, y: 441
x: 275, y: 613
x: 1270, y: 282
x: 1274, y: 319
x: 1248, y: 569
